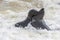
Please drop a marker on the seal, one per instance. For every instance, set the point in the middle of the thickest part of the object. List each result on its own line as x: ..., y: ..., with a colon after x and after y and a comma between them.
x: 38, y: 22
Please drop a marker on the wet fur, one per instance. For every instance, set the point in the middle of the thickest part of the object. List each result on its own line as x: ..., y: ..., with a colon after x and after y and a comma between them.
x: 37, y: 16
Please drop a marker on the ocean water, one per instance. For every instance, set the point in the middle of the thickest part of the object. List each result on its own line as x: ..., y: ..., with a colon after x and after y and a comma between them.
x: 13, y: 11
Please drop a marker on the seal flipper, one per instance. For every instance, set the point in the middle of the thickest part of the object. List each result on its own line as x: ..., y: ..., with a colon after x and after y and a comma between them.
x: 23, y: 23
x: 39, y: 25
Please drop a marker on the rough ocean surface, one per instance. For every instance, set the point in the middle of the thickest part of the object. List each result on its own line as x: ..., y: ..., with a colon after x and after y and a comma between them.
x: 14, y: 11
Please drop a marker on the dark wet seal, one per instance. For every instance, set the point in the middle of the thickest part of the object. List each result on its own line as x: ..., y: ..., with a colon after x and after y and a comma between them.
x: 34, y: 15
